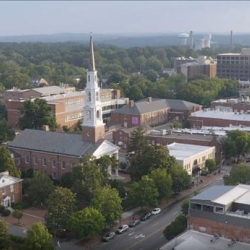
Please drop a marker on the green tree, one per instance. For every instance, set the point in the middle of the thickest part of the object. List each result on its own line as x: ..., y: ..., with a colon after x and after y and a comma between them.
x: 86, y: 223
x: 143, y: 193
x: 3, y: 110
x: 239, y: 174
x: 210, y: 165
x: 39, y: 188
x: 236, y: 144
x: 60, y: 205
x: 181, y: 179
x: 6, y: 133
x: 87, y: 177
x: 142, y: 162
x: 185, y: 207
x: 4, y: 236
x: 178, y: 226
x: 163, y: 182
x: 38, y: 238
x: 18, y: 214
x: 138, y: 140
x: 108, y: 202
x: 105, y: 162
x: 7, y: 163
x: 36, y: 114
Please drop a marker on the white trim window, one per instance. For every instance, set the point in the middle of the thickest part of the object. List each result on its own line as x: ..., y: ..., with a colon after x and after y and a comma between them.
x: 54, y: 175
x: 3, y: 191
x: 27, y: 159
x: 12, y: 198
x: 35, y: 160
x: 11, y: 188
x: 54, y: 163
x: 45, y: 161
x: 63, y: 164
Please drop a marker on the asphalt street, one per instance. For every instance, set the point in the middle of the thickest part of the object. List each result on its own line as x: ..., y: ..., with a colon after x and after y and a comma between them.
x: 147, y: 235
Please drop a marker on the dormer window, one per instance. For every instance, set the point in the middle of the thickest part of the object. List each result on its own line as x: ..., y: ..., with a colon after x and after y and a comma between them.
x: 88, y: 78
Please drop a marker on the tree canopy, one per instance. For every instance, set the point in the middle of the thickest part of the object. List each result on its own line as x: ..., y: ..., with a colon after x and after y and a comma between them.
x: 36, y: 114
x: 38, y: 238
x: 7, y: 163
x: 108, y: 202
x: 60, y: 205
x: 86, y: 223
x: 144, y: 193
x: 236, y: 144
x: 4, y: 236
x: 239, y: 174
x: 38, y: 188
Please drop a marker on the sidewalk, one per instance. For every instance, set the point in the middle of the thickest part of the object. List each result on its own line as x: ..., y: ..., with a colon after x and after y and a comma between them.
x: 127, y: 216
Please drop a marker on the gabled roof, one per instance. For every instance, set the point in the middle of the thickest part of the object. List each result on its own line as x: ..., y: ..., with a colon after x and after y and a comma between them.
x: 6, y: 180
x: 54, y: 142
x: 143, y: 106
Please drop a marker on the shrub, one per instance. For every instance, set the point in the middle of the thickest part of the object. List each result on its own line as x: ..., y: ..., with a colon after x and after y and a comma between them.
x: 17, y: 206
x: 1, y: 208
x: 16, y: 242
x: 6, y: 212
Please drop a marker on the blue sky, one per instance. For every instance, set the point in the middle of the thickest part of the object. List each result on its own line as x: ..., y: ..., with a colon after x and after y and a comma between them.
x: 26, y: 18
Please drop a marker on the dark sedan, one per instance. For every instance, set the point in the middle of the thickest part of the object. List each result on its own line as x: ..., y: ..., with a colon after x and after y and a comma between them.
x: 134, y: 223
x: 146, y: 216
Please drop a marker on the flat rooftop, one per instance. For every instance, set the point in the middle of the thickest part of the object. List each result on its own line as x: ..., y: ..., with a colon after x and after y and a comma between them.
x: 183, y: 151
x: 193, y: 240
x: 223, y: 115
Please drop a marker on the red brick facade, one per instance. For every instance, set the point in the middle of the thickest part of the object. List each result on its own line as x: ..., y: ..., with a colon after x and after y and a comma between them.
x: 53, y: 164
x: 226, y: 230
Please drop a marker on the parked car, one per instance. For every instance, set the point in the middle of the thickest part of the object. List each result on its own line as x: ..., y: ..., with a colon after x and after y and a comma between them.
x: 156, y: 210
x: 134, y: 223
x: 146, y: 216
x: 108, y: 237
x: 122, y: 229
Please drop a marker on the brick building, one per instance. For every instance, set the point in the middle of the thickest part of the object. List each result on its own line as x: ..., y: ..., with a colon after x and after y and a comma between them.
x: 203, y: 66
x: 219, y: 118
x: 55, y: 152
x: 11, y: 189
x: 178, y: 61
x: 233, y: 104
x: 122, y: 138
x: 222, y: 211
x: 67, y: 106
x: 234, y: 65
x: 152, y: 112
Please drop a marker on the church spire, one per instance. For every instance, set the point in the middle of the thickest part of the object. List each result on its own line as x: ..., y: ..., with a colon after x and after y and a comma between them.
x: 92, y: 55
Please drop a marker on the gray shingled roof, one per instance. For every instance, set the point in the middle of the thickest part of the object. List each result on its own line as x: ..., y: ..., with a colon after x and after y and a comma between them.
x: 49, y: 90
x: 143, y: 106
x: 213, y: 193
x: 54, y: 142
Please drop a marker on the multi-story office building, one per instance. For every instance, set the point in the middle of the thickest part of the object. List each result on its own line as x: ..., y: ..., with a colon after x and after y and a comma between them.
x: 234, y: 65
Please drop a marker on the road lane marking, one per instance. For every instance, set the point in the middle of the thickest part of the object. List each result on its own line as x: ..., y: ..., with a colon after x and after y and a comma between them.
x: 140, y: 236
x: 131, y: 234
x: 155, y: 224
x: 175, y: 212
x: 150, y: 235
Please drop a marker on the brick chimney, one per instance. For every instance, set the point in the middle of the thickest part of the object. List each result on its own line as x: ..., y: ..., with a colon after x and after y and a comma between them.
x: 131, y: 103
x: 149, y: 99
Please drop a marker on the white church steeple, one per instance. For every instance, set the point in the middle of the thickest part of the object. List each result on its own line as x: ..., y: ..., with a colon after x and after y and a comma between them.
x: 93, y: 126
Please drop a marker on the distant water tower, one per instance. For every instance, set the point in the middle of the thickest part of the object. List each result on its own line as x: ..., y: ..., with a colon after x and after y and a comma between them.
x: 183, y: 38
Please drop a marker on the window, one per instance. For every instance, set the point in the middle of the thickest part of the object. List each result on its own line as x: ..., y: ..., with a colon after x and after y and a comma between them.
x: 54, y: 163
x: 54, y: 175
x: 63, y: 164
x: 219, y: 210
x: 3, y: 191
x: 12, y: 197
x: 97, y: 113
x: 89, y: 96
x: 26, y: 159
x: 44, y: 162
x: 97, y: 96
x: 35, y: 160
x: 73, y: 164
x: 11, y: 188
x: 88, y: 78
